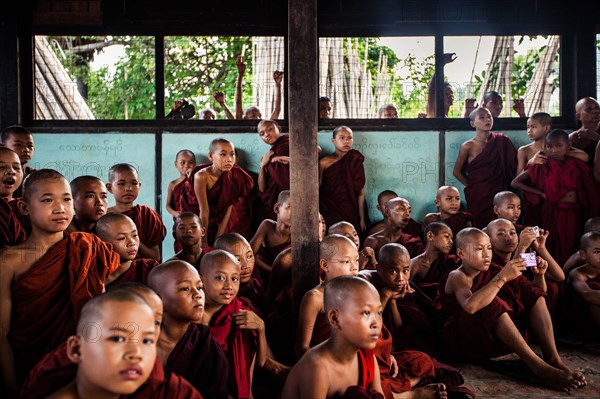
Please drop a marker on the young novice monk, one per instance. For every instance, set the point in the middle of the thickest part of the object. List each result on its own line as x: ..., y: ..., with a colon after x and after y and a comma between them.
x: 239, y: 331
x: 217, y: 191
x: 185, y: 162
x: 120, y: 231
x: 447, y: 200
x: 592, y: 224
x: 338, y: 256
x: 90, y: 201
x: 124, y: 183
x: 188, y: 232
x: 507, y: 205
x: 367, y: 257
x: 413, y: 227
x: 46, y: 279
x: 346, y: 359
x: 20, y: 140
x: 342, y: 182
x: 485, y: 164
x: 274, y: 168
x: 397, y: 212
x: 587, y: 111
x: 585, y: 281
x: 567, y: 190
x: 272, y: 236
x: 185, y: 346
x: 480, y: 305
x: 11, y: 231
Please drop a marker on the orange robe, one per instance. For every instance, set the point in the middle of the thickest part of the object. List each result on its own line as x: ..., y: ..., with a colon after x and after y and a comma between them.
x: 11, y: 232
x: 137, y: 272
x: 151, y: 229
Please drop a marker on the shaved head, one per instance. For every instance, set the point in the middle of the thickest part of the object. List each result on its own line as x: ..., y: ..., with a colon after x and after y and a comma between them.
x: 468, y: 235
x: 229, y: 240
x: 31, y: 181
x: 588, y: 239
x: 92, y: 311
x: 592, y: 224
x: 214, y: 258
x: 121, y: 167
x: 164, y: 272
x: 394, y: 202
x: 187, y: 214
x: 77, y: 182
x: 333, y: 244
x: 440, y: 191
x: 106, y: 223
x: 436, y: 228
x: 339, y: 228
x: 496, y: 224
x: 391, y: 252
x: 504, y: 196
x: 341, y: 290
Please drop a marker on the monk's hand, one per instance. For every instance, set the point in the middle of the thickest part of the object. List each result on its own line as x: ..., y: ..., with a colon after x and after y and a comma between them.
x: 513, y: 269
x: 369, y: 253
x: 284, y: 159
x: 240, y: 64
x: 542, y: 266
x: 387, y: 294
x: 219, y: 97
x: 519, y: 107
x: 469, y: 105
x: 527, y: 237
x: 539, y: 158
x: 393, y: 366
x: 449, y: 57
x: 266, y: 158
x: 278, y: 77
x: 588, y: 134
x: 248, y: 320
x: 540, y: 241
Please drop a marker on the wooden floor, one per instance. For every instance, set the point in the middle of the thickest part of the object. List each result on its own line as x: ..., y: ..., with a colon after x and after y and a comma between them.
x: 489, y: 384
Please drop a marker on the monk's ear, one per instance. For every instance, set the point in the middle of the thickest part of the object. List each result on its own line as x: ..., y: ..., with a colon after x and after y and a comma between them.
x: 436, y: 202
x: 23, y: 207
x: 276, y: 208
x: 323, y: 264
x: 386, y: 211
x: 203, y: 231
x: 333, y: 318
x: 582, y: 254
x: 74, y: 348
x: 430, y: 236
x: 496, y: 210
x: 109, y: 187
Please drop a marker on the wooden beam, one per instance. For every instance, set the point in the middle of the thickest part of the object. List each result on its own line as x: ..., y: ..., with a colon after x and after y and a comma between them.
x: 303, y: 126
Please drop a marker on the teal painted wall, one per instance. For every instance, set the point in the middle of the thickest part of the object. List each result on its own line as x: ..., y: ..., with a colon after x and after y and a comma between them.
x: 406, y: 162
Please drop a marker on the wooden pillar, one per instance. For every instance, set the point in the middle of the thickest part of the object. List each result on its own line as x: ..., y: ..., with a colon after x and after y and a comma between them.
x: 303, y: 126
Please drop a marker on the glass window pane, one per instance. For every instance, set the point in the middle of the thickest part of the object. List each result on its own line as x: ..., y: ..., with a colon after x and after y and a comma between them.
x: 94, y: 77
x: 197, y: 67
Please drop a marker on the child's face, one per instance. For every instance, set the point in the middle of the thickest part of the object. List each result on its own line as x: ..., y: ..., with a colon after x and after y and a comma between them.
x: 91, y: 201
x: 22, y: 144
x: 125, y: 187
x: 223, y: 157
x: 183, y: 294
x: 504, y: 238
x: 50, y: 205
x: 268, y: 132
x: 360, y: 319
x: 243, y: 253
x: 449, y: 201
x: 483, y: 120
x: 322, y: 227
x: 390, y: 113
x: 325, y: 109
x: 123, y: 236
x: 155, y: 303
x: 222, y: 282
x: 120, y: 351
x: 343, y: 140
x: 188, y: 231
x: 184, y: 163
x: 442, y: 241
x: 208, y: 115
x: 556, y: 148
x: 535, y: 130
x: 343, y: 263
x: 494, y: 105
x: 382, y: 201
x: 253, y: 113
x: 398, y: 213
x: 509, y: 209
x: 395, y: 275
x: 592, y: 254
x: 284, y: 213
x: 476, y: 252
x: 347, y: 230
x: 10, y: 172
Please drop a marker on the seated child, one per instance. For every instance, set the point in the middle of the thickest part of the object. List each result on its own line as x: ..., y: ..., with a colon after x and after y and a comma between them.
x: 11, y: 231
x: 353, y: 311
x: 413, y: 227
x: 185, y: 346
x: 218, y: 191
x: 120, y: 231
x: 585, y: 282
x: 387, y: 111
x: 338, y: 256
x: 185, y: 162
x: 272, y: 236
x: 447, y: 201
x: 324, y: 107
x: 237, y: 328
x: 342, y: 182
x: 397, y: 212
x: 592, y: 224
x: 482, y: 304
x: 188, y: 232
x: 366, y: 255
x: 274, y: 168
x: 47, y: 278
x: 485, y: 164
x: 90, y: 201
x: 507, y: 205
x: 587, y: 136
x: 20, y: 140
x: 567, y: 190
x: 124, y: 184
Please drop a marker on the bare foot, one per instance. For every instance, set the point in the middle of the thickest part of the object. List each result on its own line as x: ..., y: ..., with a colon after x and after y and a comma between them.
x: 430, y: 391
x: 560, y: 364
x: 561, y: 380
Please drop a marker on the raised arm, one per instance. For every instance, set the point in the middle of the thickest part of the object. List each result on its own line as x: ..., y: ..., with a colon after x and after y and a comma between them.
x: 241, y: 68
x: 278, y: 78
x: 220, y: 99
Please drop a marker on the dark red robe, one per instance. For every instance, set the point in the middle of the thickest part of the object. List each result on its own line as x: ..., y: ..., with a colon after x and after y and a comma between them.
x: 239, y: 346
x: 254, y: 291
x: 366, y: 376
x: 11, y: 232
x: 277, y: 176
x: 459, y: 221
x: 176, y: 204
x: 47, y: 299
x: 490, y: 172
x: 137, y: 272
x: 341, y: 184
x: 23, y: 220
x: 199, y: 358
x: 151, y: 229
x: 232, y: 188
x: 564, y: 220
x: 437, y: 271
x: 413, y: 245
x: 471, y: 337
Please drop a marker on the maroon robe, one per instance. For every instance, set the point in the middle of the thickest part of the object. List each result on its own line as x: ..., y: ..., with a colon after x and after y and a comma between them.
x: 23, y: 220
x: 437, y: 271
x: 413, y: 245
x: 563, y: 219
x: 471, y: 337
x: 277, y: 176
x: 254, y: 291
x: 47, y: 299
x: 459, y: 221
x: 490, y: 172
x: 199, y: 358
x: 176, y: 204
x: 137, y: 272
x: 232, y: 188
x: 11, y: 232
x: 239, y: 346
x: 151, y: 229
x: 341, y: 184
